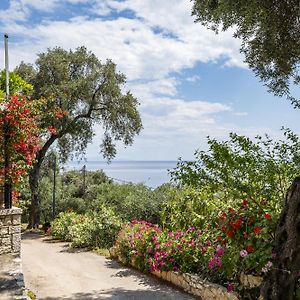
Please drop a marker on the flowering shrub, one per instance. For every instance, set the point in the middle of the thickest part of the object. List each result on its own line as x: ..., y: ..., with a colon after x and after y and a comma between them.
x: 135, y: 243
x: 94, y: 229
x: 238, y: 241
x: 248, y: 234
x: 17, y: 115
x: 60, y: 227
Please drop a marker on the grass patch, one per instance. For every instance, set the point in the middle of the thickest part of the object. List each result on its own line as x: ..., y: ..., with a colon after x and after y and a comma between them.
x: 102, y: 252
x: 31, y: 295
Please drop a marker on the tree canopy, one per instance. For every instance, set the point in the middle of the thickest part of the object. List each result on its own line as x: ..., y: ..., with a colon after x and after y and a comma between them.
x: 270, y: 35
x: 81, y: 92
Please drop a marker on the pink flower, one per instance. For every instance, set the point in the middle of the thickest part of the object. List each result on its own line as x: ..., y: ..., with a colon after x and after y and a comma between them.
x: 211, y: 263
x: 220, y: 251
x: 243, y: 253
x: 216, y: 261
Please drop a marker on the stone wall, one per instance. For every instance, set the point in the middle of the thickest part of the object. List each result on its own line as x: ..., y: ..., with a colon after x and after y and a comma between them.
x: 192, y: 284
x: 10, y: 231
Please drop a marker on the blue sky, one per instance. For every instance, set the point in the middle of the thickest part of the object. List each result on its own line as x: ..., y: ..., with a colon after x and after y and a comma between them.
x: 190, y: 82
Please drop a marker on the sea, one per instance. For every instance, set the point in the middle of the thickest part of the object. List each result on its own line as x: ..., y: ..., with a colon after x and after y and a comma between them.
x: 150, y: 173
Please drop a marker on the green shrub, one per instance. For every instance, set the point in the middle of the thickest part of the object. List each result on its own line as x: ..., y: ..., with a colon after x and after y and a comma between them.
x: 61, y: 226
x: 95, y: 229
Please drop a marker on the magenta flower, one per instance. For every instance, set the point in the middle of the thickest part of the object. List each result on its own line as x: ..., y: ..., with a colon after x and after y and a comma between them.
x: 211, y: 263
x: 230, y: 287
x: 220, y: 251
x: 154, y: 239
x: 216, y: 261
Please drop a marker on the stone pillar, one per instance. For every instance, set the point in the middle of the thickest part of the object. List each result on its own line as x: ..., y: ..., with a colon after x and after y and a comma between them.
x: 10, y: 231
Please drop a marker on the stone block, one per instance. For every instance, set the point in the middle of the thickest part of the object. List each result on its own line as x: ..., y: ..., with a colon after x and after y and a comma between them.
x: 16, y: 219
x: 10, y: 230
x: 4, y: 230
x: 14, y: 229
x: 5, y: 241
x: 174, y: 278
x: 2, y: 218
x: 163, y: 275
x: 5, y: 250
x: 250, y: 280
x: 16, y: 243
x: 168, y: 276
x: 7, y: 220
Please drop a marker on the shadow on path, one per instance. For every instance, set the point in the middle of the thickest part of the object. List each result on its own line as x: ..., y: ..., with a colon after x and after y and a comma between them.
x: 123, y: 294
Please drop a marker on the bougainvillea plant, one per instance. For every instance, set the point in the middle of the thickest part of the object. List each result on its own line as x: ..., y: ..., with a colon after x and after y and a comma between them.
x: 18, y: 114
x: 238, y: 241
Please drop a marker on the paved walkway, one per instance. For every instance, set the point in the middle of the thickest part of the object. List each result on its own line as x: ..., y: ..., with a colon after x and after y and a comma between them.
x: 53, y: 271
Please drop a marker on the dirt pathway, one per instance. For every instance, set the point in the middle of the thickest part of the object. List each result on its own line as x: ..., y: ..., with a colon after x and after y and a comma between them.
x: 53, y: 272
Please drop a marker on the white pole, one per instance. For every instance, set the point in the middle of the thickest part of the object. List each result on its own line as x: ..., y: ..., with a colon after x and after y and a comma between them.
x: 6, y: 65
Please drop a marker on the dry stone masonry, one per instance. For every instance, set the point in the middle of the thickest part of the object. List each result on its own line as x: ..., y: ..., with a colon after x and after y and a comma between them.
x: 10, y: 231
x: 192, y: 284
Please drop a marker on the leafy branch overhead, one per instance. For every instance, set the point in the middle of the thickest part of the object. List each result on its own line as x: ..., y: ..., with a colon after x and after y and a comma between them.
x: 270, y: 35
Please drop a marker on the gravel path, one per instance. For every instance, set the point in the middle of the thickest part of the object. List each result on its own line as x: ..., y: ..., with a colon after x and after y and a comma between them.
x: 53, y: 272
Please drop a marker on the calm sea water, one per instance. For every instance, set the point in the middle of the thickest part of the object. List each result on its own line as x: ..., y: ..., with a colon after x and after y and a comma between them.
x: 151, y: 173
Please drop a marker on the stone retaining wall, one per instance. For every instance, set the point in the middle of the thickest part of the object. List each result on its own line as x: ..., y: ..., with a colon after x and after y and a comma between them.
x: 192, y: 284
x: 197, y: 286
x: 10, y: 231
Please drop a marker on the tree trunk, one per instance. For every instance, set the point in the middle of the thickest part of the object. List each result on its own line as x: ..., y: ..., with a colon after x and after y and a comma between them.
x: 34, y: 177
x: 280, y: 282
x: 34, y: 212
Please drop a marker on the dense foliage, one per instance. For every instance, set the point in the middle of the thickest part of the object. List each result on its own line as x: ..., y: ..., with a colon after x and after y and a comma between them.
x: 237, y: 169
x: 227, y: 245
x: 94, y: 229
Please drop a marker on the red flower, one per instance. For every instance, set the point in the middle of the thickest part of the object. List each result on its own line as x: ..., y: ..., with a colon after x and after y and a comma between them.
x: 52, y: 130
x: 257, y: 230
x: 230, y: 233
x: 268, y: 216
x: 230, y: 210
x: 245, y: 234
x: 237, y: 224
x: 244, y: 203
x: 250, y: 249
x: 223, y: 216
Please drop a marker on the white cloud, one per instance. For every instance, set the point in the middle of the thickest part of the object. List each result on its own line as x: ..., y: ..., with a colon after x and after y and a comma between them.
x: 42, y: 5
x: 193, y: 79
x: 150, y: 49
x: 241, y: 114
